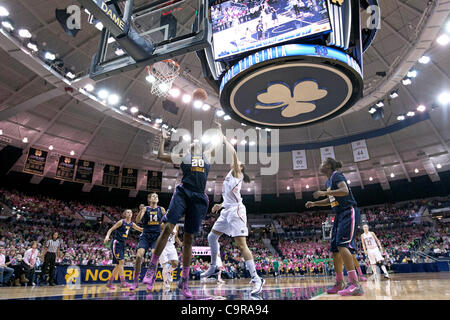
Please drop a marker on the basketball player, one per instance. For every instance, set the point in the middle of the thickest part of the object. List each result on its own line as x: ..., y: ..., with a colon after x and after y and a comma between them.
x: 169, y: 257
x: 121, y: 229
x: 190, y: 200
x: 151, y: 217
x: 343, y: 233
x: 232, y: 220
x: 372, y: 248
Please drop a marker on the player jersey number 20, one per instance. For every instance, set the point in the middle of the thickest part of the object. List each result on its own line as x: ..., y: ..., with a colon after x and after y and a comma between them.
x: 197, y: 164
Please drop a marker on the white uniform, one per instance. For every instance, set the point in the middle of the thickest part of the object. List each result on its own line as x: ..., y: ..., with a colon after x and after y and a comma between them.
x: 372, y: 248
x: 170, y: 252
x: 233, y: 217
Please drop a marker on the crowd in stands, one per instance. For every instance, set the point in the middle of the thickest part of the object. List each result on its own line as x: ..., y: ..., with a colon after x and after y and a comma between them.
x: 82, y: 240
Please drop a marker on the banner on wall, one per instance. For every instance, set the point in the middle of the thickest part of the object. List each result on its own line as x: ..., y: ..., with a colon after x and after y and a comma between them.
x: 299, y: 159
x: 327, y: 152
x: 154, y: 181
x: 111, y: 176
x: 35, y: 163
x: 201, y: 251
x: 72, y: 275
x: 85, y: 171
x: 66, y: 168
x: 360, y: 151
x: 129, y: 178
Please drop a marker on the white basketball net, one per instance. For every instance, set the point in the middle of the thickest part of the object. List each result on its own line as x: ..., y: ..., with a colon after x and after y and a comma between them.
x: 161, y: 75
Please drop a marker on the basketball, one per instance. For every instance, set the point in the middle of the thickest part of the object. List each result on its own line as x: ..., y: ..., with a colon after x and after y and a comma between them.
x: 199, y: 94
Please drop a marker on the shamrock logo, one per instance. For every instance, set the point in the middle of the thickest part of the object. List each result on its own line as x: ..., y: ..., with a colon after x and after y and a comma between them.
x: 338, y: 2
x: 72, y: 275
x: 279, y: 95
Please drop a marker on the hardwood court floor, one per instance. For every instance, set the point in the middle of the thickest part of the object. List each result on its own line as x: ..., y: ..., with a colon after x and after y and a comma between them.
x: 411, y: 286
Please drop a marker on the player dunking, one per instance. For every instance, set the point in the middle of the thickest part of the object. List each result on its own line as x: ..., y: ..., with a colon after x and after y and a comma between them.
x: 232, y: 220
x: 121, y: 230
x: 169, y: 257
x: 151, y: 217
x: 372, y: 248
x: 190, y: 200
x: 343, y: 233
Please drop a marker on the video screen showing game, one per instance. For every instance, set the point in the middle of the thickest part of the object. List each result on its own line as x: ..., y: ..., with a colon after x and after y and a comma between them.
x: 244, y: 25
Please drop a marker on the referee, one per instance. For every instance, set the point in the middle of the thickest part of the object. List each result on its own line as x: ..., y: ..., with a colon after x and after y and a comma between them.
x: 51, y: 252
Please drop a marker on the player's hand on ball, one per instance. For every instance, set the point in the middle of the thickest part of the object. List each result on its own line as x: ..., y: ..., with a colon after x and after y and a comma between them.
x: 309, y: 204
x: 318, y: 194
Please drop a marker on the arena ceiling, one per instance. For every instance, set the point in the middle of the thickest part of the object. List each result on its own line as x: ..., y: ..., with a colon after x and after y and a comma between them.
x: 35, y: 105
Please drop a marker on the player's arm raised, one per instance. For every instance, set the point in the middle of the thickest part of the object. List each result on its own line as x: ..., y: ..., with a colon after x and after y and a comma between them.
x: 114, y: 227
x: 210, y: 151
x: 171, y: 158
x: 140, y: 213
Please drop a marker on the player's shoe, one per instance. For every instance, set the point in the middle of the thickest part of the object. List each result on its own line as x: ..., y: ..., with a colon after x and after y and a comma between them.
x: 257, y: 286
x: 110, y: 286
x: 134, y: 286
x: 125, y: 285
x: 150, y: 278
x: 339, y: 285
x: 212, y: 271
x: 386, y: 276
x: 183, y: 285
x: 362, y: 279
x: 352, y: 290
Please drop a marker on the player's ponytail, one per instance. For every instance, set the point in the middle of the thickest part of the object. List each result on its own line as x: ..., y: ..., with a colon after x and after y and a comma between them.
x: 246, y: 177
x: 335, y: 165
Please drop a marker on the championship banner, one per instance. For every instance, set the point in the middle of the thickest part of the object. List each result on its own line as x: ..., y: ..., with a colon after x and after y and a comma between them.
x: 111, y: 176
x: 299, y: 159
x: 327, y: 152
x: 66, y: 168
x: 85, y: 171
x: 201, y: 251
x: 154, y: 181
x: 35, y: 162
x: 360, y: 151
x: 129, y: 178
x: 72, y: 275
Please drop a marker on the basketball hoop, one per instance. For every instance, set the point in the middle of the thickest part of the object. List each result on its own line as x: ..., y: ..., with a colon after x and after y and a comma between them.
x: 161, y: 75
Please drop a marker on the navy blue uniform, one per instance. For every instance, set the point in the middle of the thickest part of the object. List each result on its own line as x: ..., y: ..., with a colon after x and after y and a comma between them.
x: 189, y: 198
x: 118, y: 243
x: 151, y: 223
x: 347, y: 215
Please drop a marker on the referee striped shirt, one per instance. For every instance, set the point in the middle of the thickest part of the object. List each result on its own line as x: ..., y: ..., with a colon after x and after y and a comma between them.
x: 52, y: 245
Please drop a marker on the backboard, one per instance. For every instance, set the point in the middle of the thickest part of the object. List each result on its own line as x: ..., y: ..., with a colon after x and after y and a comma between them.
x: 154, y: 31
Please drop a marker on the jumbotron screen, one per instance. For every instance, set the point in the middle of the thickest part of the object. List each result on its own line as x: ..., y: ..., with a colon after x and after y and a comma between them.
x: 244, y: 25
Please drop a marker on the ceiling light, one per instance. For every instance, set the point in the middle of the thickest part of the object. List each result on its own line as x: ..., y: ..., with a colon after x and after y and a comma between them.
x: 243, y: 124
x: 72, y: 153
x: 158, y: 120
x: 439, y: 166
x: 24, y: 33
x: 348, y: 182
x: 268, y: 130
x: 141, y: 116
x: 411, y: 114
x: 89, y: 87
x: 134, y: 109
x: 380, y: 104
x: 196, y: 140
x: 401, y: 117
x: 49, y: 56
x: 406, y: 81
x: 25, y: 140
x: 209, y: 189
x: 252, y: 143
x: 8, y: 25
x: 421, y: 108
x: 50, y: 147
x: 123, y: 108
x: 257, y: 128
x: 288, y: 188
x: 1, y: 132
x: 206, y: 107
x: 443, y: 40
x: 103, y: 94
x: 32, y: 46
x: 444, y: 98
x: 372, y: 110
x: 169, y: 187
x: 307, y: 186
x: 424, y: 59
x: 70, y: 75
x: 226, y: 117
x: 3, y: 12
x: 243, y: 142
x: 99, y: 25
x: 220, y: 113
x: 119, y: 52
x: 186, y: 98
x: 392, y: 175
x: 248, y: 189
x: 198, y: 104
x: 174, y: 92
x: 412, y: 74
x: 370, y: 179
x: 394, y: 94
x: 416, y: 170
x: 111, y: 40
x: 233, y: 141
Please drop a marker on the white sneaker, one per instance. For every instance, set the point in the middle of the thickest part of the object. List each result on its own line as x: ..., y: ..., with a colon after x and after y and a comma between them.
x: 257, y: 286
x: 212, y: 271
